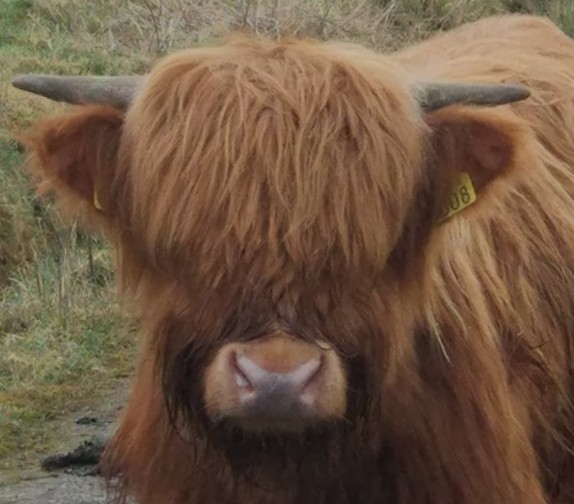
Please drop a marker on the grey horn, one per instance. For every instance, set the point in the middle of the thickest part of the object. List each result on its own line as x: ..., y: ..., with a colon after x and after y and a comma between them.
x: 117, y: 92
x: 433, y: 96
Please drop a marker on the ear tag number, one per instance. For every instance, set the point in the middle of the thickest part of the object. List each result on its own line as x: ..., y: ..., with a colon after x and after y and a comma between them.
x: 461, y: 197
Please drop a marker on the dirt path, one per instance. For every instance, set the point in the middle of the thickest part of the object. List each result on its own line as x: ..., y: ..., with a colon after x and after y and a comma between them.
x: 55, y: 489
x: 68, y: 476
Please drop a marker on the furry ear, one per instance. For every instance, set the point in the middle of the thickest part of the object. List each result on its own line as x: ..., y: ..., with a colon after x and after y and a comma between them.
x: 470, y: 149
x: 74, y: 155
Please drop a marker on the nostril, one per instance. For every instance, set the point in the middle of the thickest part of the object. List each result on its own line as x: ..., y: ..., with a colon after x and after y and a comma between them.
x: 239, y: 373
x: 241, y: 380
x: 305, y: 374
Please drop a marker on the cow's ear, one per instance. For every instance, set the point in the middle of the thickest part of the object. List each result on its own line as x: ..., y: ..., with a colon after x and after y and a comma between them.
x: 469, y: 150
x: 74, y: 156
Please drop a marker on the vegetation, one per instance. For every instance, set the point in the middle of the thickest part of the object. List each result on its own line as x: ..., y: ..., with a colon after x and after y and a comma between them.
x: 63, y: 337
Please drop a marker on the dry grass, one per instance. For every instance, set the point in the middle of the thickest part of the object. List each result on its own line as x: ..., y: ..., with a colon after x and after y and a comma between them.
x: 63, y: 338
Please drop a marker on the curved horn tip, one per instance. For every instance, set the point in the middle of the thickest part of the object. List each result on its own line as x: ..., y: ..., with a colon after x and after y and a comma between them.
x: 520, y: 92
x: 17, y: 80
x: 116, y: 91
x: 33, y: 83
x: 22, y: 81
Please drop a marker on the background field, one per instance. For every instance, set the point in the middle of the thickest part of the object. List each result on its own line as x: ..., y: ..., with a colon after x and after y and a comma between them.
x: 64, y: 341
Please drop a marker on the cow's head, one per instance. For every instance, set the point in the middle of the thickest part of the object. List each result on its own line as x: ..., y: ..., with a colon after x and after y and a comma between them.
x: 270, y: 201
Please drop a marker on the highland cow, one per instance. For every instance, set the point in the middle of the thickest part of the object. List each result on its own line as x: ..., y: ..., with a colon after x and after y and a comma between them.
x: 355, y: 271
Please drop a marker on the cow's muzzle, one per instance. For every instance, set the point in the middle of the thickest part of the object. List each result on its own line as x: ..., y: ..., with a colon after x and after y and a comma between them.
x: 277, y: 383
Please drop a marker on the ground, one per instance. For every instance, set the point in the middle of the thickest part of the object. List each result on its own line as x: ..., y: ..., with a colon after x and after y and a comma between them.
x: 69, y: 475
x: 56, y: 489
x: 67, y: 346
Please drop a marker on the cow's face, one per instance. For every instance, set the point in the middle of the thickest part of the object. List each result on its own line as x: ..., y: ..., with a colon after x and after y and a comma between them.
x: 265, y: 183
x: 272, y: 201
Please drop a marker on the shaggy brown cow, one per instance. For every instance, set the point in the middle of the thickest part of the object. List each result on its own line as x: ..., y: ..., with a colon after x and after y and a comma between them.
x: 316, y: 328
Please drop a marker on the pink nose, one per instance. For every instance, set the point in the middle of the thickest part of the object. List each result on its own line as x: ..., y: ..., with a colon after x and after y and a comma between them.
x: 275, y: 395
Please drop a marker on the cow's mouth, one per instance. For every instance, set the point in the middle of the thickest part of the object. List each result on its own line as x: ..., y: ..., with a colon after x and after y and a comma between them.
x: 277, y: 457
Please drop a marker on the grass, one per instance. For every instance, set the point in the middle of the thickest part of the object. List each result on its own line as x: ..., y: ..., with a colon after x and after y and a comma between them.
x: 63, y: 336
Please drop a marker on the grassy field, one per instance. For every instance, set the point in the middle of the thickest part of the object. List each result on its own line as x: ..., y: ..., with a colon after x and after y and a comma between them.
x: 63, y: 337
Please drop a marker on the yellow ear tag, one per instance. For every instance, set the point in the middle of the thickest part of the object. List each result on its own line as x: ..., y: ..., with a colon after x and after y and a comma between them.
x: 97, y: 201
x: 462, y: 196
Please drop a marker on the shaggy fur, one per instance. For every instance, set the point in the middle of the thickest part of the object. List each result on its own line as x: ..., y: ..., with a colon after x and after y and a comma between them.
x: 298, y: 184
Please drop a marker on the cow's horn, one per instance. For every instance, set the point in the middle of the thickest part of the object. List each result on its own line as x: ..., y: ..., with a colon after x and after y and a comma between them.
x: 433, y: 96
x: 117, y: 91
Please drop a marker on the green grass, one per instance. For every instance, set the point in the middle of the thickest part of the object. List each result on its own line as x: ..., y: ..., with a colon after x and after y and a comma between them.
x: 63, y: 337
x: 13, y: 16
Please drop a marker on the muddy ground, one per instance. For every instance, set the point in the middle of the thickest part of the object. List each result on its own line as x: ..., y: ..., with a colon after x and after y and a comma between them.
x: 69, y: 476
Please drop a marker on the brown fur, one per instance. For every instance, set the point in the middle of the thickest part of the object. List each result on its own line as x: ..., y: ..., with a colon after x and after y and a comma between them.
x: 297, y: 184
